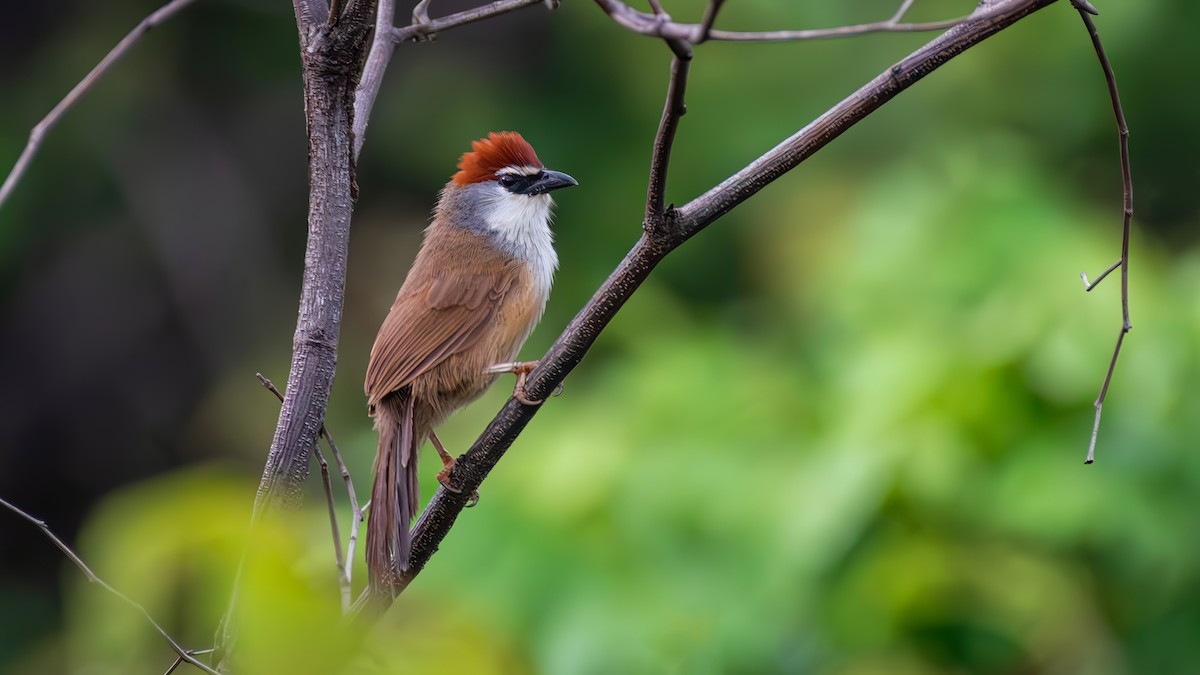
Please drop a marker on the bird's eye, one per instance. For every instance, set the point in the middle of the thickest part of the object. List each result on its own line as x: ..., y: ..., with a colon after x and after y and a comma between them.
x: 507, y: 180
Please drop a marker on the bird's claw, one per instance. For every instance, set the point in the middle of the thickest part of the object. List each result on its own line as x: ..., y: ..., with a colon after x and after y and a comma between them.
x: 443, y: 476
x: 519, y: 393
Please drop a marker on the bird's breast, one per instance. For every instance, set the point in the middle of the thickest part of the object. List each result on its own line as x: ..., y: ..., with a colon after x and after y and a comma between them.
x: 463, y: 377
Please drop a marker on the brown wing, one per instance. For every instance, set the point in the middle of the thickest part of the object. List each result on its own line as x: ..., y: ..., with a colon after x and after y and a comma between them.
x: 429, y: 323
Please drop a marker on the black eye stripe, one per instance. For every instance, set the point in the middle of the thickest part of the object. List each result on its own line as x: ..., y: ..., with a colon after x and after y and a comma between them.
x: 517, y: 183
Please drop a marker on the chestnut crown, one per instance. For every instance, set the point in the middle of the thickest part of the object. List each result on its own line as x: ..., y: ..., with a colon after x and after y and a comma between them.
x: 508, y: 159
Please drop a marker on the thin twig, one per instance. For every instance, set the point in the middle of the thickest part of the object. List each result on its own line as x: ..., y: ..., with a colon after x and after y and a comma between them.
x: 901, y: 11
x: 416, y: 31
x: 357, y: 515
x: 387, y: 36
x: 343, y: 568
x: 179, y: 661
x: 710, y: 16
x: 1089, y: 285
x: 673, y: 109
x: 360, y: 514
x: 180, y: 652
x: 382, y: 47
x: 656, y: 26
x: 327, y: 483
x: 38, y: 133
x: 1085, y: 12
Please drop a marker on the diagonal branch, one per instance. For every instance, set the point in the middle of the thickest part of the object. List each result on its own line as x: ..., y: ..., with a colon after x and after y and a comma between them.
x: 1085, y: 11
x: 654, y: 245
x: 38, y: 133
x: 181, y: 653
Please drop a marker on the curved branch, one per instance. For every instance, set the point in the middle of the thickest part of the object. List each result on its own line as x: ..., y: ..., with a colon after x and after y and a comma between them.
x: 566, y: 353
x: 1085, y: 10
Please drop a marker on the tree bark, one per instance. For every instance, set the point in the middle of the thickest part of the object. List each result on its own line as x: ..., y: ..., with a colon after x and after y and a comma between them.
x: 332, y: 57
x: 333, y: 48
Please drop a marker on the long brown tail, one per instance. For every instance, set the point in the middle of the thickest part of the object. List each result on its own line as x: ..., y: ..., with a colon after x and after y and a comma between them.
x: 395, y: 492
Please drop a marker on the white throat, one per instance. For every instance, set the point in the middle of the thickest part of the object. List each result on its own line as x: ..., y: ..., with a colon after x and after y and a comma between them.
x: 522, y: 226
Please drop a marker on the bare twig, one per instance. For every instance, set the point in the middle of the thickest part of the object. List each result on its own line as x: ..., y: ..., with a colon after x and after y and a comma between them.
x: 1085, y: 12
x: 38, y: 133
x: 327, y: 483
x: 1089, y: 285
x: 181, y: 653
x: 656, y: 26
x: 673, y: 109
x: 901, y: 11
x: 382, y: 47
x: 655, y: 244
x: 419, y: 30
x: 179, y: 660
x: 356, y: 514
x: 387, y: 36
x: 343, y: 568
x: 710, y: 16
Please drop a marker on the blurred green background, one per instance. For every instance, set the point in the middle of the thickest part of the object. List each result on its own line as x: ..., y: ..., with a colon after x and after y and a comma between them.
x: 840, y: 432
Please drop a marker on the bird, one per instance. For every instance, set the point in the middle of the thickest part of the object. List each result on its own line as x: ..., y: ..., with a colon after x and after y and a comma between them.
x: 478, y: 286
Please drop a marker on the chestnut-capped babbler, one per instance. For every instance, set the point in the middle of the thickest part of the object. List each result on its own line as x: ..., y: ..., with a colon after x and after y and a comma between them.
x: 477, y: 288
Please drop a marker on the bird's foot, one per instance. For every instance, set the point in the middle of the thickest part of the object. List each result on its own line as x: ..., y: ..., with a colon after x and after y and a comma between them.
x: 521, y: 369
x: 519, y: 390
x: 443, y: 476
x: 448, y: 464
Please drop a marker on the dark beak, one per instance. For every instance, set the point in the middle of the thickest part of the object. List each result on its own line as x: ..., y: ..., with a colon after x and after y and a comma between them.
x: 549, y: 180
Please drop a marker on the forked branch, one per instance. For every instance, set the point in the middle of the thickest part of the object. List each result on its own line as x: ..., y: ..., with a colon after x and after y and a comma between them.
x: 1085, y: 12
